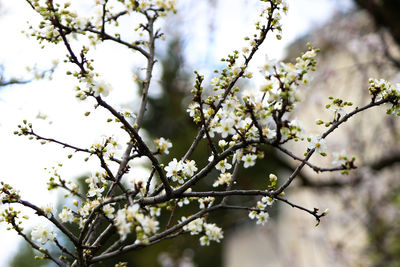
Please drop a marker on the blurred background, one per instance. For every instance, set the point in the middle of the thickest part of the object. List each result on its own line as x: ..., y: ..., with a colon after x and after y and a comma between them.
x: 358, y: 39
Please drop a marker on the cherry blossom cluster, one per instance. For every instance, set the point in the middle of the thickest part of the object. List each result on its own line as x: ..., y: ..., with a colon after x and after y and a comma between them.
x: 381, y: 89
x: 131, y: 218
x: 8, y: 194
x: 180, y: 171
x: 236, y: 123
x: 70, y: 19
x: 199, y: 226
x: 257, y: 114
x: 61, y: 23
x: 259, y: 212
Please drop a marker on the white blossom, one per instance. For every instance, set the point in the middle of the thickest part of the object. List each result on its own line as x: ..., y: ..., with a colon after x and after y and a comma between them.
x: 267, y: 86
x: 223, y: 178
x: 318, y: 143
x: 225, y: 127
x: 213, y: 232
x: 195, y: 227
x: 222, y: 143
x: 204, y: 241
x: 95, y: 191
x: 269, y: 133
x: 206, y: 202
x: 108, y: 211
x: 154, y: 211
x: 48, y: 209
x: 223, y: 165
x: 229, y: 105
x: 272, y: 177
x: 262, y: 217
x: 173, y: 168
x: 214, y: 80
x: 189, y: 168
x: 252, y: 214
x: 43, y: 233
x: 123, y: 226
x: 66, y: 215
x: 132, y: 211
x: 88, y: 207
x: 249, y: 160
x: 163, y: 145
x: 268, y: 67
x: 183, y: 201
x: 267, y: 200
x: 81, y: 23
x: 337, y: 110
x: 339, y: 158
x: 100, y: 87
x: 149, y: 225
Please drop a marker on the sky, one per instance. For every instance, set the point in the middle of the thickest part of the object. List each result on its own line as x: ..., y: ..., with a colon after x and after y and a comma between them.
x: 23, y: 161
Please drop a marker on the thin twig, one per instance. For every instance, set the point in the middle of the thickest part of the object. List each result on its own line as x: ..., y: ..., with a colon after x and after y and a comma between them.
x: 324, y: 135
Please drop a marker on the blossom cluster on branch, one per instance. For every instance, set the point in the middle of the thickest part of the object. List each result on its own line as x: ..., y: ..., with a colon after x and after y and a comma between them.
x: 237, y: 125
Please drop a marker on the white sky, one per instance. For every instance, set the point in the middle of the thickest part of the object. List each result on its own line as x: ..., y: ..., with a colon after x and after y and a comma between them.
x: 23, y: 161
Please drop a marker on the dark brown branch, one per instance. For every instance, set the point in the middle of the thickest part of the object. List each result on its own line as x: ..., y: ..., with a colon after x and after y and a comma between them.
x: 203, y: 118
x: 149, y: 181
x: 65, y: 145
x: 171, y: 216
x: 106, y: 36
x: 140, y: 143
x: 103, y: 20
x: 255, y: 122
x: 383, y: 162
x: 63, y: 249
x: 313, y: 212
x: 315, y: 168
